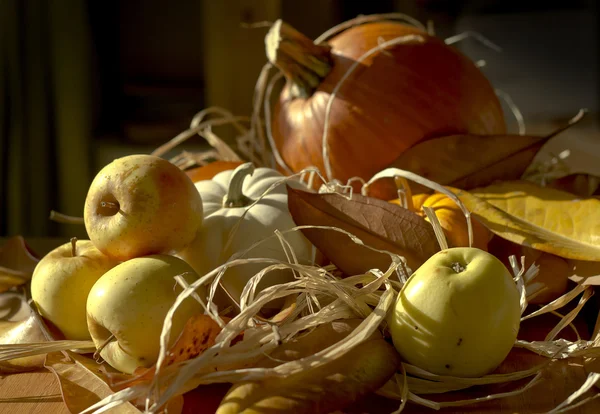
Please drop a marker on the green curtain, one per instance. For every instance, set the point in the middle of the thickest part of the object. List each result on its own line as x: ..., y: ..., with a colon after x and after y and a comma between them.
x: 45, y: 115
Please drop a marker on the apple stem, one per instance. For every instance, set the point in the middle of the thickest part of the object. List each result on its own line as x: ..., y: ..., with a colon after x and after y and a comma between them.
x: 74, y: 246
x: 109, y: 208
x: 235, y: 197
x: 457, y: 267
x: 96, y: 355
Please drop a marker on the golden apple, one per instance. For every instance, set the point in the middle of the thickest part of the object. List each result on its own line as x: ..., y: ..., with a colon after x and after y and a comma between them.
x: 458, y: 314
x: 130, y: 302
x: 140, y: 205
x: 61, y: 282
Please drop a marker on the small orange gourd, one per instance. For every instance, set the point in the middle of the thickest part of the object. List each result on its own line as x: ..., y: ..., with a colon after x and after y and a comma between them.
x: 452, y: 219
x: 208, y: 171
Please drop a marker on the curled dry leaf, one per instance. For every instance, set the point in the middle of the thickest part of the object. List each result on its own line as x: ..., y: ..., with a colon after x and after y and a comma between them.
x: 82, y: 382
x: 377, y: 223
x: 468, y: 161
x: 22, y: 332
x: 17, y: 263
x: 546, y: 219
x: 324, y: 389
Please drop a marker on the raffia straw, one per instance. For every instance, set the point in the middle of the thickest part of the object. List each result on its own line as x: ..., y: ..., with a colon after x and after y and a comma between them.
x: 198, y: 118
x: 221, y: 147
x: 460, y: 403
x: 569, y: 317
x: 396, y: 172
x: 519, y: 280
x: 268, y: 125
x: 200, y: 282
x: 557, y: 303
x: 368, y: 19
x: 256, y: 127
x: 514, y: 109
x: 437, y: 227
x: 566, y: 405
x: 560, y: 348
x: 365, y: 329
x: 408, y: 39
x: 469, y: 34
x: 422, y: 374
x: 403, y: 388
x: 404, y: 192
x: 571, y: 325
x: 13, y: 351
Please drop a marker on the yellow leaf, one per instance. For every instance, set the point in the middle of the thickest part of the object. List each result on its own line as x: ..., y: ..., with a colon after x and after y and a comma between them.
x: 546, y: 219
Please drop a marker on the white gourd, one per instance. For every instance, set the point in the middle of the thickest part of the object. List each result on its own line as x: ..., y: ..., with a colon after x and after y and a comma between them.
x: 225, y: 199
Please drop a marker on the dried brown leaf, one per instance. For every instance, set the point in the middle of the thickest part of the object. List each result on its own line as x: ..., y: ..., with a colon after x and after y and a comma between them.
x: 467, y: 161
x: 17, y: 263
x: 376, y: 223
x: 470, y: 161
x: 82, y: 382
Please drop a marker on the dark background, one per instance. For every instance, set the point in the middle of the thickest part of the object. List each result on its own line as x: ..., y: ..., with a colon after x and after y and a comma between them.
x: 83, y: 82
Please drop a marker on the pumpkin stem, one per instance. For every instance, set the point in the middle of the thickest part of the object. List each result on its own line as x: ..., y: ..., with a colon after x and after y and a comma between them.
x: 303, y: 62
x: 235, y: 197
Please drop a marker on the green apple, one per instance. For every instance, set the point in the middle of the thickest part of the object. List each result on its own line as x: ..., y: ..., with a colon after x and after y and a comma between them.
x: 140, y: 205
x: 127, y: 306
x: 458, y: 314
x: 61, y: 282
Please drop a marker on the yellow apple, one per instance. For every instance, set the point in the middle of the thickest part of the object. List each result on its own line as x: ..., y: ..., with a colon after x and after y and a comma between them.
x: 458, y: 314
x: 61, y: 282
x: 140, y: 205
x: 131, y: 302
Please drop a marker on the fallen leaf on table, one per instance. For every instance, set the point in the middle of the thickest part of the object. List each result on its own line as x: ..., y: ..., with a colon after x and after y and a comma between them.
x: 82, y: 382
x: 21, y: 332
x: 17, y: 263
x: 377, y: 223
x: 546, y: 219
x: 468, y: 161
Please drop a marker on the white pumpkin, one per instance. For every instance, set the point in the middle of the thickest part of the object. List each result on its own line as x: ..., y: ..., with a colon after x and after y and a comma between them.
x: 225, y: 199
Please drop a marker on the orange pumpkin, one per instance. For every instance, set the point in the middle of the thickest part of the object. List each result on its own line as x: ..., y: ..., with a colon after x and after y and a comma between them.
x: 208, y: 171
x: 452, y: 219
x: 390, y: 93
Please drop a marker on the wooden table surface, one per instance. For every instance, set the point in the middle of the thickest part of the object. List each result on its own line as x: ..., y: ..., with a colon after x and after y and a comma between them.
x: 39, y: 392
